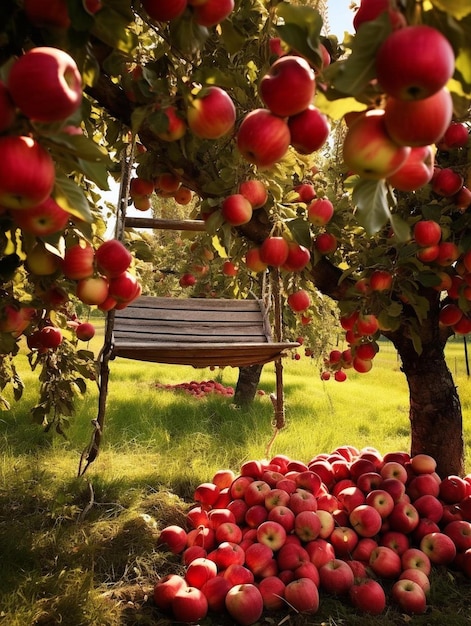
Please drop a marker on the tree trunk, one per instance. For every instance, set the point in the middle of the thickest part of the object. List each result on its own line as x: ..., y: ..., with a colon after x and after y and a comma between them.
x: 435, y: 409
x: 247, y: 384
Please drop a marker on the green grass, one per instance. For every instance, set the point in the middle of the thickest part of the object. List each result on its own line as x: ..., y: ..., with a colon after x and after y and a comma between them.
x: 83, y: 551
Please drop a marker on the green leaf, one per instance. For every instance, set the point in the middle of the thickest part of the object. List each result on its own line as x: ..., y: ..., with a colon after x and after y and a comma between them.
x: 457, y: 8
x: 233, y: 40
x: 359, y: 68
x: 112, y: 28
x: 300, y: 231
x: 401, y: 228
x: 71, y: 198
x: 370, y: 199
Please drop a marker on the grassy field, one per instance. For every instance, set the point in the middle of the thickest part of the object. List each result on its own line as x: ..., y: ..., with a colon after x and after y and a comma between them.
x: 82, y: 551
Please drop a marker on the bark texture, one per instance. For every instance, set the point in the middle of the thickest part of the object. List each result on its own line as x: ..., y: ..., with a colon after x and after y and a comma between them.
x: 247, y: 384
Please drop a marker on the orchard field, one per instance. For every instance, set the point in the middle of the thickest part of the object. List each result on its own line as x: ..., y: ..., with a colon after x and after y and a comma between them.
x: 85, y: 550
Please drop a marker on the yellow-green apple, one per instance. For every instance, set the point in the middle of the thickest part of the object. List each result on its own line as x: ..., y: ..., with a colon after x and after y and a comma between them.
x: 166, y: 588
x: 433, y: 66
x: 272, y: 534
x: 175, y: 125
x: 368, y: 596
x: 417, y: 559
x: 41, y: 261
x: 174, y: 537
x: 309, y: 130
x: 336, y: 577
x: 416, y: 172
x: 299, y: 300
x: 211, y: 114
x: 215, y: 590
x: 409, y: 596
x: 371, y: 9
x: 212, y: 12
x: 244, y: 603
x: 298, y: 257
x: 255, y: 192
x: 320, y: 211
x: 92, y: 290
x: 85, y: 331
x: 446, y: 182
x: 164, y: 10
x: 44, y: 219
x: 369, y: 151
x: 263, y: 138
x: 302, y: 595
x: 418, y: 122
x: 7, y: 108
x: 325, y: 243
x: 288, y: 87
x: 385, y: 562
x: 418, y: 577
x: 272, y: 590
x: 460, y: 533
x: 344, y: 540
x: 453, y: 489
x: 236, y: 209
x: 45, y: 84
x: 189, y: 605
x: 27, y: 174
x: 439, y: 548
x: 427, y: 233
x: 50, y: 14
x: 199, y: 571
x: 455, y: 136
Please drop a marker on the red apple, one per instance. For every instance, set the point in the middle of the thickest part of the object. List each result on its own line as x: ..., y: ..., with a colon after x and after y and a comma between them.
x: 434, y: 62
x: 45, y: 84
x: 416, y: 558
x: 446, y: 182
x: 85, y: 331
x: 336, y: 577
x: 456, y: 136
x: 368, y: 149
x: 263, y: 138
x: 299, y: 301
x: 50, y: 337
x: 244, y: 603
x: 368, y: 596
x: 416, y: 172
x: 211, y: 12
x: 255, y: 192
x: 236, y: 210
x: 439, y: 548
x: 302, y: 595
x: 306, y: 192
x: 176, y: 126
x: 78, y: 262
x: 189, y: 605
x: 27, y: 174
x: 215, y: 590
x: 253, y: 260
x: 410, y: 596
x: 174, y: 537
x: 274, y: 251
x: 51, y: 14
x: 211, y: 114
x: 460, y: 533
x: 371, y: 9
x: 418, y: 122
x: 124, y: 287
x: 427, y: 233
x: 309, y: 130
x: 344, y: 539
x: 199, y: 571
x: 320, y: 211
x: 452, y: 489
x: 164, y: 10
x: 272, y: 590
x: 325, y: 243
x: 113, y: 258
x: 288, y: 87
x: 418, y: 577
x: 165, y: 590
x: 385, y: 562
x: 298, y: 257
x: 42, y: 220
x: 365, y: 520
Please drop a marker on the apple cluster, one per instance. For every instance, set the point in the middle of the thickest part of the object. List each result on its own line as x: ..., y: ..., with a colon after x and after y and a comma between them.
x: 199, y: 389
x: 205, y: 13
x: 353, y: 523
x: 287, y: 90
x: 396, y: 142
x: 166, y: 185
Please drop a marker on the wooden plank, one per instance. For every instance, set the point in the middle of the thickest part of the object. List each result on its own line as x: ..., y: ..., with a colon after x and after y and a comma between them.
x: 164, y: 224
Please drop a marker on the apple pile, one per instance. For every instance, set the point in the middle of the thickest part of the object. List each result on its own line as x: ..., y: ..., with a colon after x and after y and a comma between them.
x: 199, y: 389
x: 355, y: 524
x: 287, y: 90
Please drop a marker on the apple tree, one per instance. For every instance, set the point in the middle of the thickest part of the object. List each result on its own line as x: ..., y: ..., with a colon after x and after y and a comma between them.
x: 342, y: 167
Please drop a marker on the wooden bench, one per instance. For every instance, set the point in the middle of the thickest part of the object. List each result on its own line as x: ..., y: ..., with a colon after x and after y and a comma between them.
x: 196, y: 331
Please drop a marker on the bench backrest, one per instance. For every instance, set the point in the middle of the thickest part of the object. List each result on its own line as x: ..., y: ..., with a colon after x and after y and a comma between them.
x: 191, y: 321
